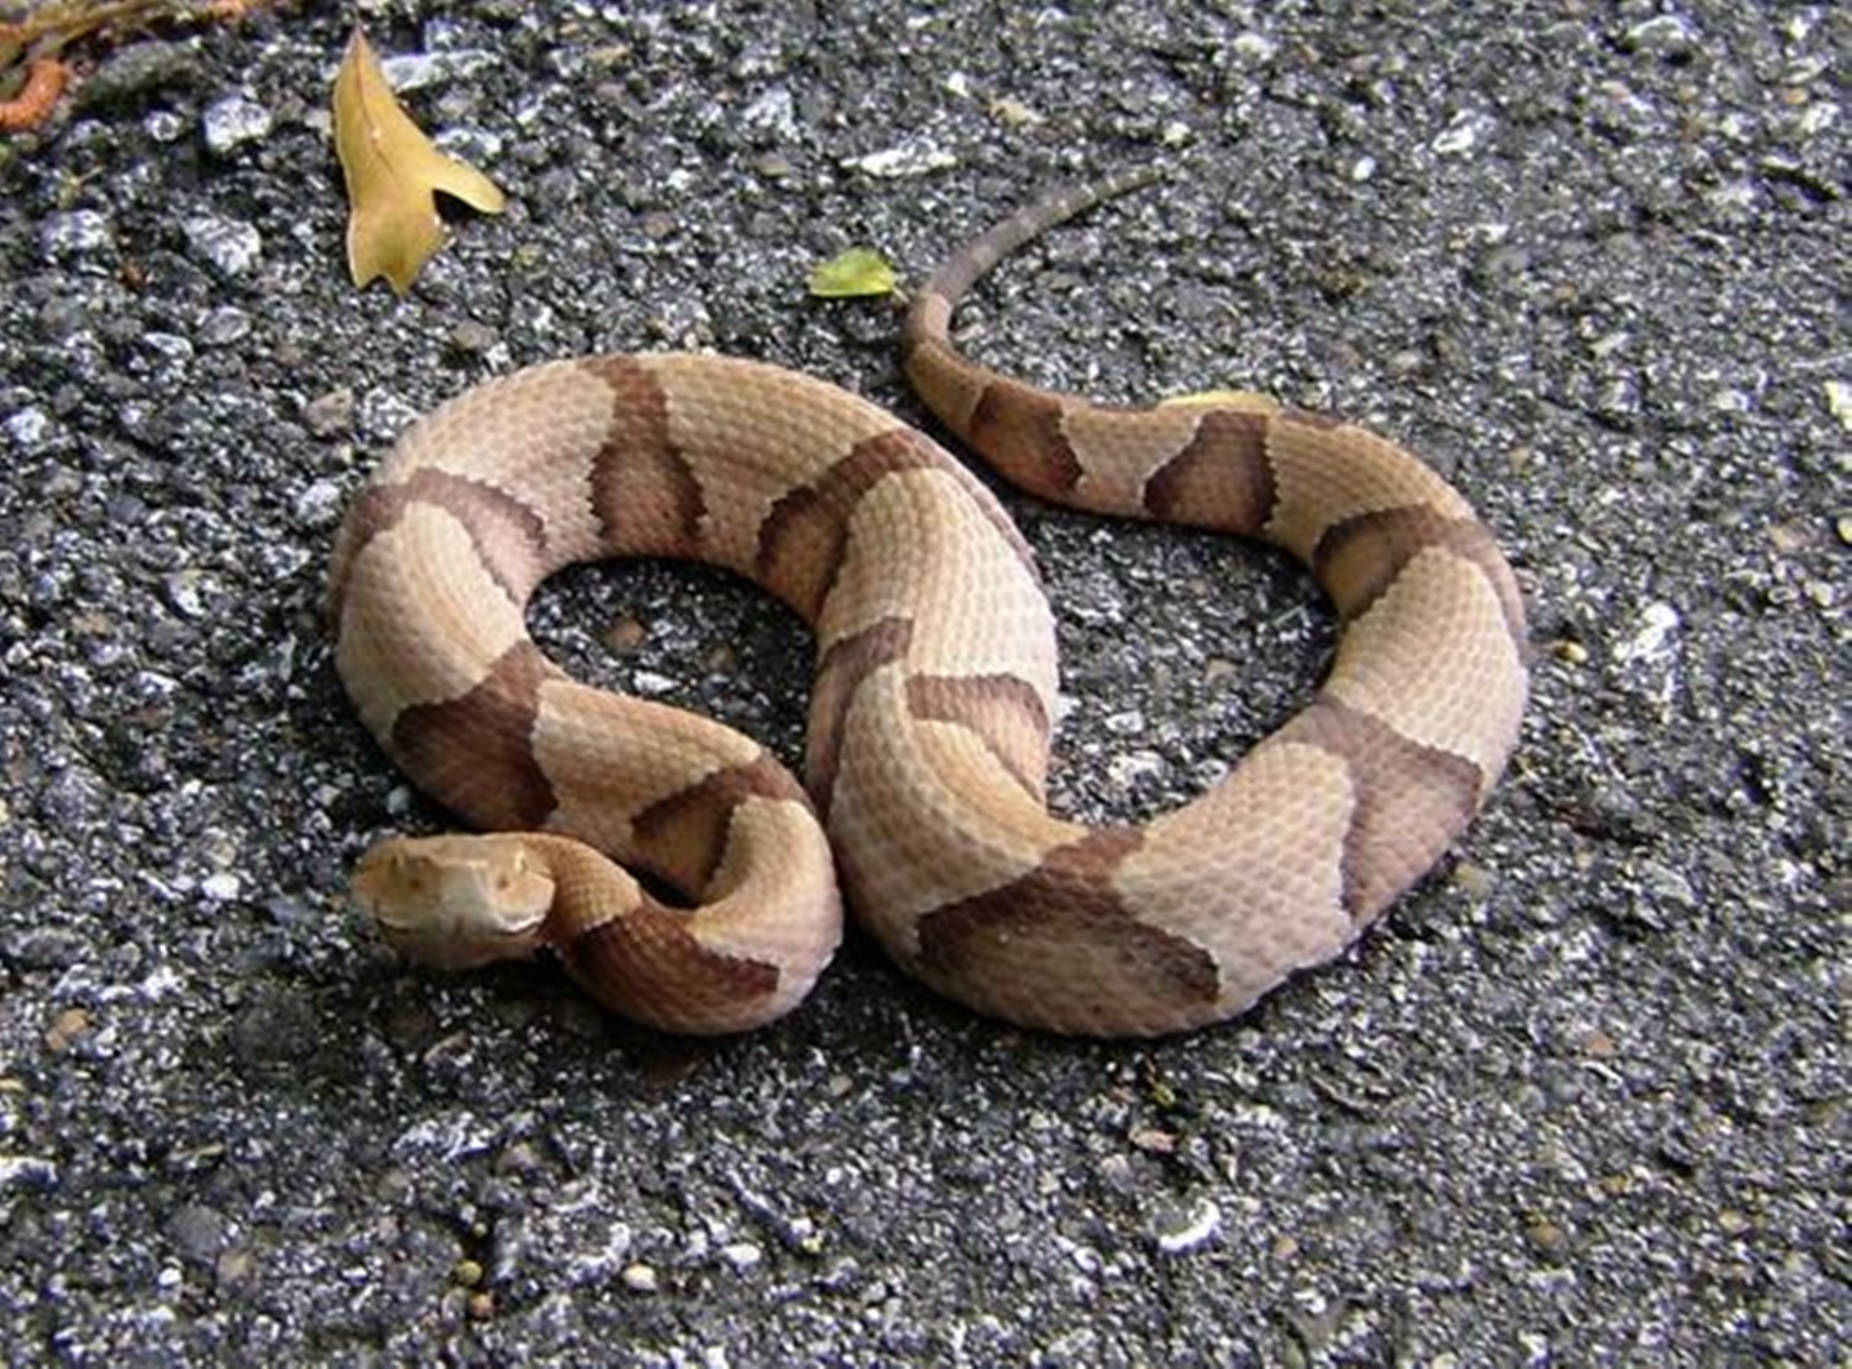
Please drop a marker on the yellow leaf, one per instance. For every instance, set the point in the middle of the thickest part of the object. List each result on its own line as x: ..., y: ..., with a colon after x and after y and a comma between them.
x: 858, y: 271
x: 391, y: 171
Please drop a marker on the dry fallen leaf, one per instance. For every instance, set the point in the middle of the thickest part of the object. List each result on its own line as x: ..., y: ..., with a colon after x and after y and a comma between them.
x: 33, y: 36
x: 391, y: 171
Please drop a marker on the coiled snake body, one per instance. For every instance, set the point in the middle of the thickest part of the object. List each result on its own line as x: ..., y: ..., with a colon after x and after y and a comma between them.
x: 930, y: 717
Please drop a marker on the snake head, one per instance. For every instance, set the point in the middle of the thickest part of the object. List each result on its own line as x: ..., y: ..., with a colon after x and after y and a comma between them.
x: 455, y: 902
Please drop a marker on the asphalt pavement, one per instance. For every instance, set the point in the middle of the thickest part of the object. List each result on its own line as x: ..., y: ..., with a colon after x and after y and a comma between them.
x: 1580, y: 1099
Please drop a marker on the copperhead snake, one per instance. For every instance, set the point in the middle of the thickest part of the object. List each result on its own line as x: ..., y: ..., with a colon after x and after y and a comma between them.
x: 929, y: 722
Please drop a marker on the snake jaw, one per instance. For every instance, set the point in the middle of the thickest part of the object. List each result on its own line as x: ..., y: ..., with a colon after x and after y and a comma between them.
x: 455, y: 902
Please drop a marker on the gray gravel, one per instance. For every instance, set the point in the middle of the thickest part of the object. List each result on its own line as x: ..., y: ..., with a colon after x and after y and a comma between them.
x: 1580, y: 1100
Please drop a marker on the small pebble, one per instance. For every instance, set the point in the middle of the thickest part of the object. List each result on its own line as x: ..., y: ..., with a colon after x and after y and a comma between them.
x: 1547, y: 1239
x: 318, y: 505
x: 1462, y: 135
x: 1664, y: 35
x: 229, y: 246
x: 69, y: 1025
x: 472, y: 338
x: 225, y: 326
x: 331, y: 414
x: 230, y: 123
x: 26, y: 1171
x: 909, y: 159
x: 742, y: 1254
x: 416, y: 70
x: 1653, y: 637
x: 774, y: 112
x: 78, y: 233
x: 625, y: 635
x: 1193, y: 1230
x: 198, y: 1232
x: 30, y: 428
x: 1014, y: 113
x: 1475, y: 881
x: 1153, y: 1141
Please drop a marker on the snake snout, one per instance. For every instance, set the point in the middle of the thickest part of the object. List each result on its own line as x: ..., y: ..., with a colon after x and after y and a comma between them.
x: 455, y: 902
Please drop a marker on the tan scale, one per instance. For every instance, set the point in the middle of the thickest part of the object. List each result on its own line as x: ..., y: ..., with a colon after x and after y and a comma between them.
x: 1434, y: 659
x: 550, y: 414
x: 423, y: 569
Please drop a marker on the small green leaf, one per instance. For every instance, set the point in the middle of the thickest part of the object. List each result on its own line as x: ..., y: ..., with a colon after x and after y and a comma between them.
x: 858, y: 271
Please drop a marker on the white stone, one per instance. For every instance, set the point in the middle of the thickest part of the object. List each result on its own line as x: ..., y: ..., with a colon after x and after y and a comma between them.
x: 230, y: 246
x: 1197, y: 1229
x: 909, y: 159
x: 232, y: 122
